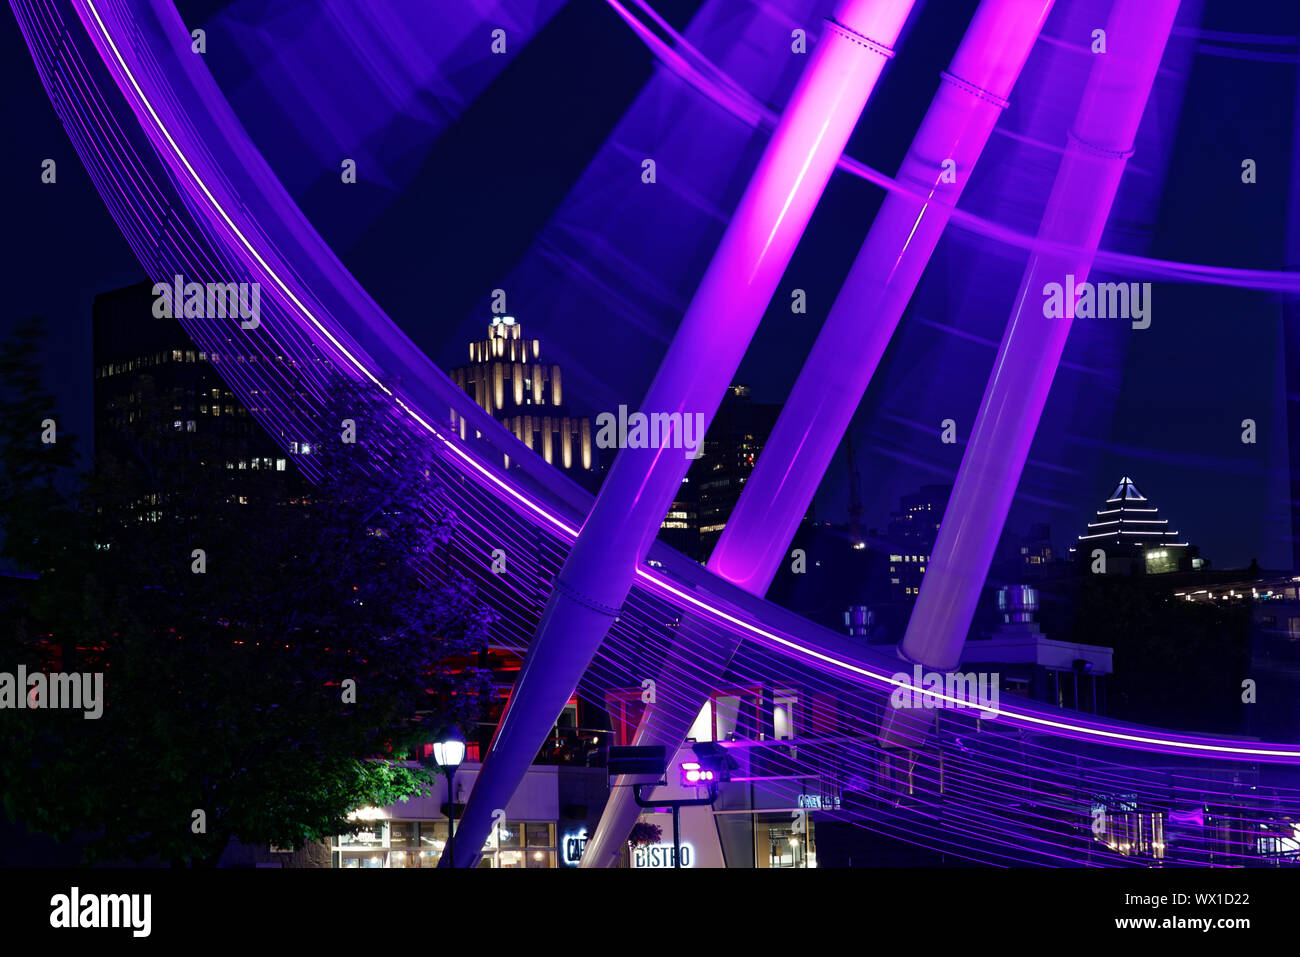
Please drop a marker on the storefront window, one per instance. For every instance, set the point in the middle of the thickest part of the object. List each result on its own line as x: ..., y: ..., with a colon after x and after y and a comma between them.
x: 373, y: 835
x: 520, y: 844
x: 432, y: 839
x: 777, y: 843
x: 410, y: 844
x: 401, y: 844
x: 511, y: 835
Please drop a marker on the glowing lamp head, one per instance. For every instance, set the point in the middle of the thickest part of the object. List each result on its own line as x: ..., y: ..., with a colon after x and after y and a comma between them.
x: 449, y: 752
x: 712, y: 764
x: 694, y: 776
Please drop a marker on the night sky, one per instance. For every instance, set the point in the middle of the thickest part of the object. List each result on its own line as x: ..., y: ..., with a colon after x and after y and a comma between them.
x: 479, y: 194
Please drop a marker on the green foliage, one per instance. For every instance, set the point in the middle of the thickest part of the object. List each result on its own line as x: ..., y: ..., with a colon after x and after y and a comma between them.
x: 29, y: 468
x: 225, y: 689
x: 1177, y: 663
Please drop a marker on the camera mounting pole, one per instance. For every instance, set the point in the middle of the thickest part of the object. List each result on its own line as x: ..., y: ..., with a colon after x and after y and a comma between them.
x: 676, y: 806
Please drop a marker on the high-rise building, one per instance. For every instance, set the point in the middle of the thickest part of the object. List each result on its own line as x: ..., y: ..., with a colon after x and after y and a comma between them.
x: 1024, y: 557
x: 731, y: 448
x: 1133, y: 537
x: 151, y: 378
x: 681, y: 525
x: 911, y: 534
x: 509, y: 381
x: 713, y: 484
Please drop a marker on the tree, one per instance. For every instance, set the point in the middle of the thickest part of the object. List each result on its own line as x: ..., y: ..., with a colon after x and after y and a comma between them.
x: 30, y: 466
x: 1177, y: 663
x: 271, y: 648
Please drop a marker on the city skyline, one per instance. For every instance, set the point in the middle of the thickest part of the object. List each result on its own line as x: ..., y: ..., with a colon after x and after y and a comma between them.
x: 1134, y: 438
x: 652, y: 436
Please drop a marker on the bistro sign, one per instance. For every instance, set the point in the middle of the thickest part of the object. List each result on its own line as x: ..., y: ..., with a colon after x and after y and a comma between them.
x: 661, y: 855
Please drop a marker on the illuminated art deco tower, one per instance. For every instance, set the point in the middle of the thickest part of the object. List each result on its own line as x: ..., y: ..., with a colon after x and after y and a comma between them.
x: 507, y: 379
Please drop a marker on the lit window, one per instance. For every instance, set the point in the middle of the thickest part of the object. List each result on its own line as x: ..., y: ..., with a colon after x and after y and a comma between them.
x: 176, y: 355
x: 279, y: 465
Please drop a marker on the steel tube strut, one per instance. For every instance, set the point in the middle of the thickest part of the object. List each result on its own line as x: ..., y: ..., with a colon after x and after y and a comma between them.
x: 1114, y: 99
x: 970, y: 98
x: 737, y: 286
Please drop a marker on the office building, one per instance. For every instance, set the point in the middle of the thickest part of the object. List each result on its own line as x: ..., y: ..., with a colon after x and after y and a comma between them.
x: 1130, y: 536
x: 152, y: 380
x: 508, y: 379
x: 713, y: 484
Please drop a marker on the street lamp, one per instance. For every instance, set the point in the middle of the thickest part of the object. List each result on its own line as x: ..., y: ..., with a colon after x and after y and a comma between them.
x: 448, y: 755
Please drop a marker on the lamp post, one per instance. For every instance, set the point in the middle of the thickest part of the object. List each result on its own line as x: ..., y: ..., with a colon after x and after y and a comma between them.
x: 448, y: 753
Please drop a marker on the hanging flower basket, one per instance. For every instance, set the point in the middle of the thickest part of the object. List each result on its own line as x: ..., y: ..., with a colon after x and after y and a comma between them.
x: 643, y: 833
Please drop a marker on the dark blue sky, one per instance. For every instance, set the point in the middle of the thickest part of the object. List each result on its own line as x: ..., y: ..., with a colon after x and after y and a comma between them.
x: 472, y: 206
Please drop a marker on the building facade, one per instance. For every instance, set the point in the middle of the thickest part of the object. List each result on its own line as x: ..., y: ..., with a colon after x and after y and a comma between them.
x: 152, y: 380
x: 1130, y: 537
x: 508, y: 380
x: 713, y: 483
x: 911, y: 534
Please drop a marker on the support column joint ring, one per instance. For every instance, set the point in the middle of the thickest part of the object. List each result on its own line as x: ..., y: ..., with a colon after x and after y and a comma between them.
x: 863, y: 41
x: 569, y: 592
x: 976, y: 91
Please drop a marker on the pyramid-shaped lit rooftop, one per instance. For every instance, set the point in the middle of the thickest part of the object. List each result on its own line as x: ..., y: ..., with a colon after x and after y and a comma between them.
x: 1128, y: 518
